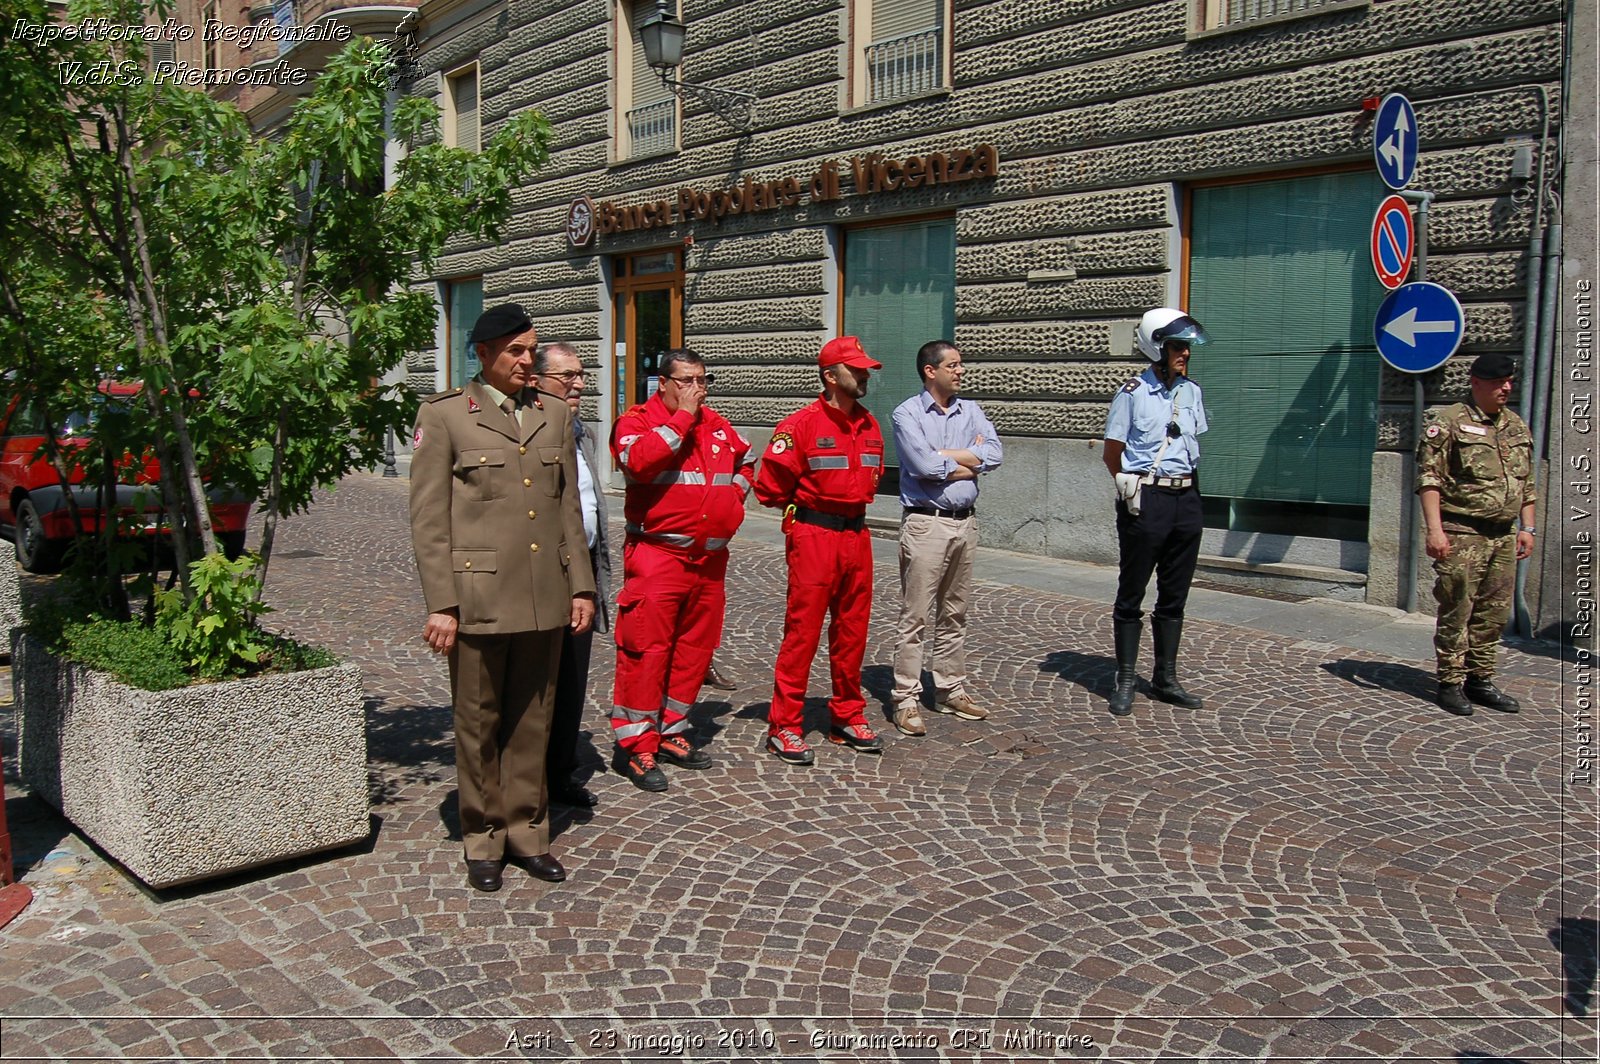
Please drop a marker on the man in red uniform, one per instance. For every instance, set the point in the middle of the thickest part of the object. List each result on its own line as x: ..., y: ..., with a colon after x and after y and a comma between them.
x: 822, y: 467
x: 688, y: 472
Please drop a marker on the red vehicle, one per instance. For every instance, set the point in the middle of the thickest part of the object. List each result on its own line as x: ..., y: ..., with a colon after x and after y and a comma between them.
x: 33, y: 505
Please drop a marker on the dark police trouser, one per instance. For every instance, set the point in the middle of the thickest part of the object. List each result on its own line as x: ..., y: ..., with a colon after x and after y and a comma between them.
x: 1164, y: 539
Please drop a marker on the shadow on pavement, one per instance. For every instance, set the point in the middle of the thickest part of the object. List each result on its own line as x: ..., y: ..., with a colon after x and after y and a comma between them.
x: 36, y: 829
x: 411, y: 743
x: 1092, y: 672
x: 1577, y: 938
x: 1384, y: 676
x: 1467, y: 1056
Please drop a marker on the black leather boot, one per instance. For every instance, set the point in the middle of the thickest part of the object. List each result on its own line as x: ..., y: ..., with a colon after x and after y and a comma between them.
x: 1481, y: 689
x: 1128, y: 634
x: 1164, y: 682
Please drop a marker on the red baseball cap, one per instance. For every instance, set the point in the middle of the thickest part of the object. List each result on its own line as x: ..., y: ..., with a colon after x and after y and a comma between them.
x: 846, y: 351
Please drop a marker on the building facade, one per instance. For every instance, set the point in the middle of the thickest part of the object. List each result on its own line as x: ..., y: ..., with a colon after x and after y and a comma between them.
x: 1027, y: 177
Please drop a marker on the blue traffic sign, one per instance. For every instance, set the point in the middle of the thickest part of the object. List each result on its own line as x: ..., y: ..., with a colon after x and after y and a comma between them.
x: 1394, y: 141
x: 1394, y: 242
x: 1419, y: 327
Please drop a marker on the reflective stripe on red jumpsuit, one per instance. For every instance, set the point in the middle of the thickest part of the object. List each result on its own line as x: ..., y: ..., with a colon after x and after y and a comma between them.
x: 820, y: 459
x: 687, y: 478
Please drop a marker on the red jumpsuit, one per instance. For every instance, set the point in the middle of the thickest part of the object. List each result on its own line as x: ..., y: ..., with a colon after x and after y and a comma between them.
x: 687, y: 477
x: 827, y: 464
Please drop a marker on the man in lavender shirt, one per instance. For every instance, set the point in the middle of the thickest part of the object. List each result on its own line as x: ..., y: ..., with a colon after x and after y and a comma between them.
x: 944, y: 443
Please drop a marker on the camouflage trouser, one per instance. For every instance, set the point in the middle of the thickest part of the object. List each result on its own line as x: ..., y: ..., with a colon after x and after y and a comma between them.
x: 1474, y: 589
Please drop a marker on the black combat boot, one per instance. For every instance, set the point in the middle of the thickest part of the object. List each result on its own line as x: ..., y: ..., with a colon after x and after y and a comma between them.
x: 1481, y: 689
x: 1451, y: 699
x: 1128, y: 634
x: 1164, y: 682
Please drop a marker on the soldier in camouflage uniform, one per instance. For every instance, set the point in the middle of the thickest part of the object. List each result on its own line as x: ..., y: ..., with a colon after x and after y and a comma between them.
x: 1475, y: 481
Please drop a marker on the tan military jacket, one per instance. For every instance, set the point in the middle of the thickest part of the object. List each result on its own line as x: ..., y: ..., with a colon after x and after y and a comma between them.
x: 495, y: 518
x: 1482, y: 468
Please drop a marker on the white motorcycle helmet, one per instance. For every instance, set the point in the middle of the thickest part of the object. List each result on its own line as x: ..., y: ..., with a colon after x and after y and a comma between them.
x: 1163, y: 324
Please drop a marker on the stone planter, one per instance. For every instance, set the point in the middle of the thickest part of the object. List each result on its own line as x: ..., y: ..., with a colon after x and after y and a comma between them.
x: 10, y: 595
x: 198, y: 782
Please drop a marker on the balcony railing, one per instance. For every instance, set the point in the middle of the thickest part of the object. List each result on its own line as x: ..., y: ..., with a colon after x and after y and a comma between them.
x: 1239, y: 12
x: 905, y: 66
x: 653, y: 128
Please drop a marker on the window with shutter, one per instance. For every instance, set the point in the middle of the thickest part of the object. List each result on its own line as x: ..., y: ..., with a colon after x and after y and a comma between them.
x: 903, y: 46
x: 462, y: 101
x: 650, y: 108
x: 1279, y: 272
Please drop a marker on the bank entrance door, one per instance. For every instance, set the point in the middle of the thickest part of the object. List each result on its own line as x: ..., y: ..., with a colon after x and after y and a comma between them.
x: 648, y: 304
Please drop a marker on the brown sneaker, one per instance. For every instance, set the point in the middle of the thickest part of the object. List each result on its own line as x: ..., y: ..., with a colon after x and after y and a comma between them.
x: 908, y: 718
x: 961, y: 705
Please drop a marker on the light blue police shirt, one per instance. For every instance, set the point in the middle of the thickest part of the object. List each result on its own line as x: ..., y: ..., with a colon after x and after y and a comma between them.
x: 1138, y: 419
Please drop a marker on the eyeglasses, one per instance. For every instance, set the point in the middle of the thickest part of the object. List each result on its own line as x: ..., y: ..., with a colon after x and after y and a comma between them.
x: 570, y: 375
x: 704, y: 380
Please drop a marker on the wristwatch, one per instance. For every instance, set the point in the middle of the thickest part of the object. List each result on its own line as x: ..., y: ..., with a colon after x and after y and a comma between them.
x: 1528, y: 529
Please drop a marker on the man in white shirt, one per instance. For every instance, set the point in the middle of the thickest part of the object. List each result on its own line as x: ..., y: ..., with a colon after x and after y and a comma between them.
x: 559, y: 372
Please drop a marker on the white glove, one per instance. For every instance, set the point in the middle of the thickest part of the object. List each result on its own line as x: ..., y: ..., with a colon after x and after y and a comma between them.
x: 1128, y: 485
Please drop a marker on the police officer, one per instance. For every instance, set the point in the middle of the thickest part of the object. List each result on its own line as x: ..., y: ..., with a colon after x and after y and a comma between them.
x: 1475, y: 482
x: 1152, y: 454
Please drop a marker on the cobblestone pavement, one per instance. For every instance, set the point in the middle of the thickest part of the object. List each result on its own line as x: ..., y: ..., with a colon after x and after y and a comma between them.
x: 1319, y: 864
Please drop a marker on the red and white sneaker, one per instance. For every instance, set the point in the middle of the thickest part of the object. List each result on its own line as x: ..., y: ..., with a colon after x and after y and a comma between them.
x: 788, y: 746
x: 857, y: 736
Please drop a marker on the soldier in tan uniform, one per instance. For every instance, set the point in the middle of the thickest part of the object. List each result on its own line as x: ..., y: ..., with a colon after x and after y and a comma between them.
x: 502, y: 554
x: 1475, y: 481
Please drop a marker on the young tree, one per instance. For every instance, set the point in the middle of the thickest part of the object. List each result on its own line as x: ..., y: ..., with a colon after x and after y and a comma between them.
x: 257, y: 289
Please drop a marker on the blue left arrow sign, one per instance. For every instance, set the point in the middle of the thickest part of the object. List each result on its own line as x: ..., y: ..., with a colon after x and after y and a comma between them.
x: 1419, y: 326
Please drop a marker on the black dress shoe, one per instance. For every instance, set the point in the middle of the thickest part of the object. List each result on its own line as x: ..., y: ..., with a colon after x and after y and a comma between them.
x: 1481, y: 689
x: 539, y: 866
x: 720, y: 680
x: 484, y: 876
x: 575, y: 796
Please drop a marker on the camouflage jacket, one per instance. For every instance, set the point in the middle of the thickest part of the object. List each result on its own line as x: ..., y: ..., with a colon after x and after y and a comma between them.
x: 1482, y: 467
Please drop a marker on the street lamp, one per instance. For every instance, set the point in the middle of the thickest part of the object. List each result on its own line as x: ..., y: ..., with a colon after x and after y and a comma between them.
x: 661, y: 34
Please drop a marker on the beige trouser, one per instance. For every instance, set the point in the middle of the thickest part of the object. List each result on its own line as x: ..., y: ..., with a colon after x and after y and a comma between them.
x: 935, y: 580
x: 504, y: 688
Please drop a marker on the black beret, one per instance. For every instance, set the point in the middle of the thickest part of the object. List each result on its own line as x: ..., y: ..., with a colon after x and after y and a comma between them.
x: 1494, y: 366
x: 504, y: 320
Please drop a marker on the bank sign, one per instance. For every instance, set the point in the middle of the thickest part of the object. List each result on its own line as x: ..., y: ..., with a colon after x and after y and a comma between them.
x: 868, y: 174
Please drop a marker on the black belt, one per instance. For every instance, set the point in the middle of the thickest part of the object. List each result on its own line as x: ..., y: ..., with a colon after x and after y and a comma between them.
x: 1481, y: 525
x: 836, y: 522
x: 934, y: 511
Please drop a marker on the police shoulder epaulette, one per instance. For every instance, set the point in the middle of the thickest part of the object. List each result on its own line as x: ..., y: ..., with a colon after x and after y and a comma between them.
x: 436, y: 396
x: 1132, y: 385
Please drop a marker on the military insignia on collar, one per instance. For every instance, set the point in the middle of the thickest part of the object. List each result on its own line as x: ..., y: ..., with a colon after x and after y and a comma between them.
x: 1132, y: 385
x: 827, y: 441
x: 416, y: 437
x: 781, y: 441
x: 1433, y: 430
x: 472, y: 405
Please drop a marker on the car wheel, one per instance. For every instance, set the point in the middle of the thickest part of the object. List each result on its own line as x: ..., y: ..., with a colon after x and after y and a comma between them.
x: 232, y: 544
x: 36, y: 552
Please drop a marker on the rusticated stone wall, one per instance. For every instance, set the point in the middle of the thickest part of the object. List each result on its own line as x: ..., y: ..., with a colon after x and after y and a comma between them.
x: 1101, y: 111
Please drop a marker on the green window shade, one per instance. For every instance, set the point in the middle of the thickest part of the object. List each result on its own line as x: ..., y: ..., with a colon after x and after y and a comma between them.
x: 465, y: 303
x: 1280, y: 274
x: 647, y: 86
x: 900, y: 292
x: 896, y: 18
